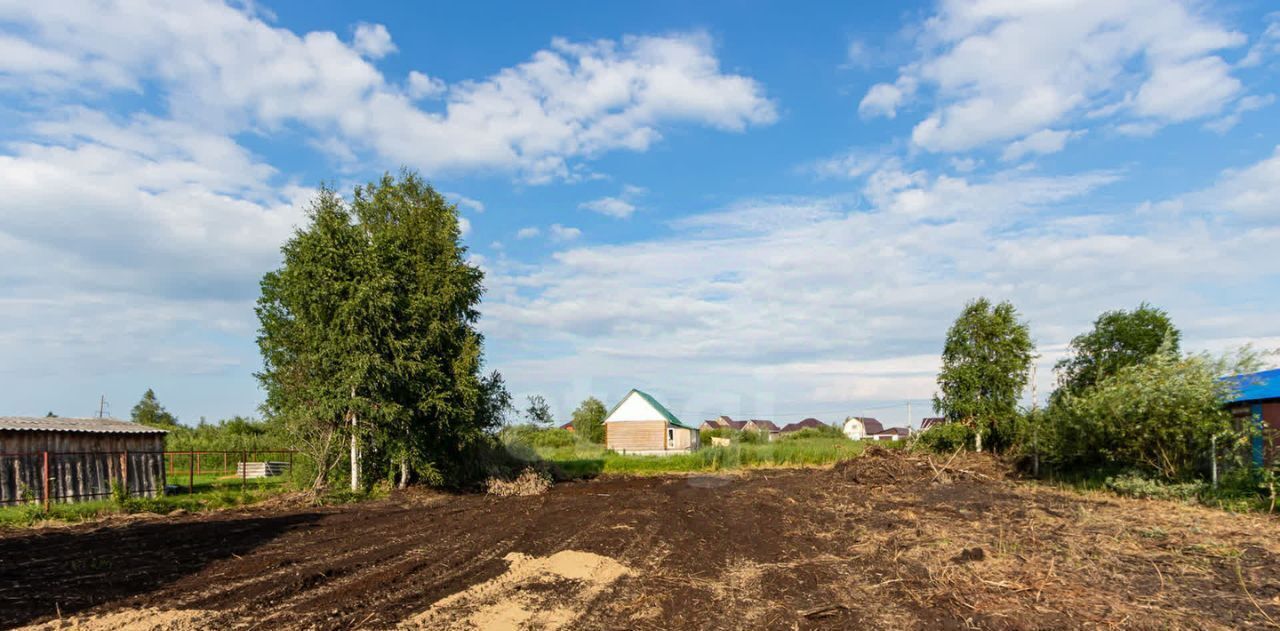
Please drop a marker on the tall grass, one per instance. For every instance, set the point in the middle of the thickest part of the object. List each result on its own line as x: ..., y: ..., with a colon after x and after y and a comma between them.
x: 586, y: 459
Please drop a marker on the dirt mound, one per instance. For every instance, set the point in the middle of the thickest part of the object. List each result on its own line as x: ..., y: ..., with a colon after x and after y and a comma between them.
x: 534, y: 593
x: 132, y: 620
x: 879, y: 466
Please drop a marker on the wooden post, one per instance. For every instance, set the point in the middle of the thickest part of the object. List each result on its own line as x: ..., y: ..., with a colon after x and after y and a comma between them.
x: 191, y: 475
x: 45, y: 485
x: 224, y: 462
x: 244, y: 471
x: 124, y: 472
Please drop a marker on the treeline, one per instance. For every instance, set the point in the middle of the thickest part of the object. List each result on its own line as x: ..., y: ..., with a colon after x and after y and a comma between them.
x: 237, y: 433
x: 1126, y: 397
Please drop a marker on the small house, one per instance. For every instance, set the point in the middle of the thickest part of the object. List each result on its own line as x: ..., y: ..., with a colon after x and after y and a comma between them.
x: 568, y: 427
x: 809, y: 423
x: 78, y: 458
x: 638, y: 424
x: 931, y: 421
x: 860, y: 427
x: 722, y: 422
x: 763, y: 426
x: 1257, y: 398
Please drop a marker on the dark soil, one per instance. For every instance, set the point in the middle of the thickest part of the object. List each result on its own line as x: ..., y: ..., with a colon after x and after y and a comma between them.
x: 883, y: 541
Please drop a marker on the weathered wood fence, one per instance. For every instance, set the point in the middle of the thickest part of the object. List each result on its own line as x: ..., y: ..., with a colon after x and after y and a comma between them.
x: 47, y: 476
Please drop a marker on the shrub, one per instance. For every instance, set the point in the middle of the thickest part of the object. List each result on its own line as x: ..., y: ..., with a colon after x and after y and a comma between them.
x: 538, y: 437
x: 826, y: 431
x: 1135, y: 484
x: 1158, y: 417
x: 947, y: 437
x: 529, y: 482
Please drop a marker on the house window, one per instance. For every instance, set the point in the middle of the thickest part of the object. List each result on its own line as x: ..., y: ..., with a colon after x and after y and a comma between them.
x: 671, y: 435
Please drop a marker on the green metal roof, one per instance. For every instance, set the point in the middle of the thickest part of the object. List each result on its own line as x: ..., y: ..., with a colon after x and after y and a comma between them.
x: 671, y: 418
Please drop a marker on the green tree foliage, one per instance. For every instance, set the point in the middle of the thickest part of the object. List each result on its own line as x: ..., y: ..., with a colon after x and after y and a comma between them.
x: 985, y: 361
x: 539, y: 412
x: 588, y: 420
x: 368, y: 335
x: 1119, y: 339
x: 149, y: 412
x: 1158, y: 416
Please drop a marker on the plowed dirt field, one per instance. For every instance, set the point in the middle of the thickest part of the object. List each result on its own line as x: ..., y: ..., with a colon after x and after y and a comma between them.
x: 887, y: 541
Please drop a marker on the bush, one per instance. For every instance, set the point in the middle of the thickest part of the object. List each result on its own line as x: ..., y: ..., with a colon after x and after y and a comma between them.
x: 947, y: 437
x: 1157, y: 417
x: 1135, y: 484
x: 826, y: 431
x: 538, y: 437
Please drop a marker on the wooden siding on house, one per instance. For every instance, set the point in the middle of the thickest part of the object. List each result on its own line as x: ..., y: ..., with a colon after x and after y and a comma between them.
x: 636, y: 435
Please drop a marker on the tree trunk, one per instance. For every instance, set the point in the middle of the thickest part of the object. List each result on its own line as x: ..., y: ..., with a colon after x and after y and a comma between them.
x: 404, y: 472
x: 355, y: 456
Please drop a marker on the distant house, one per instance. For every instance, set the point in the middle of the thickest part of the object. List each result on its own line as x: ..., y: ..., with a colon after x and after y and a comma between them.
x: 762, y: 426
x: 1257, y: 399
x: 567, y: 426
x: 932, y: 421
x: 866, y: 428
x: 638, y: 424
x: 891, y: 433
x: 809, y: 423
x: 860, y: 427
x: 722, y: 422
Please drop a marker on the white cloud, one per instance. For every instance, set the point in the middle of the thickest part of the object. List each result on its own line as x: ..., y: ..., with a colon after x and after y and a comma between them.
x: 563, y: 233
x: 422, y: 86
x: 1251, y: 193
x: 621, y: 206
x: 464, y: 226
x: 1246, y: 104
x: 1043, y: 142
x: 611, y: 206
x: 528, y: 232
x: 466, y: 202
x: 373, y: 41
x: 1003, y: 71
x: 231, y: 72
x: 1267, y: 45
x: 819, y: 303
x: 883, y: 99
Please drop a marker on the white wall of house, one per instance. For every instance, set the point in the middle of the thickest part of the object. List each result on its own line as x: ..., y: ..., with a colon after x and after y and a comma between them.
x: 634, y: 408
x: 853, y: 429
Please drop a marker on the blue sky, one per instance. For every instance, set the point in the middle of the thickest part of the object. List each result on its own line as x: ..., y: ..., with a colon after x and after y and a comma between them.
x: 739, y: 207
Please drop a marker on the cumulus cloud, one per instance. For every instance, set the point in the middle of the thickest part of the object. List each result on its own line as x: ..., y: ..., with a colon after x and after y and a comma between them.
x: 620, y: 206
x: 372, y: 41
x: 810, y: 302
x: 558, y: 233
x: 1001, y: 71
x: 528, y: 232
x: 1043, y: 142
x: 231, y: 72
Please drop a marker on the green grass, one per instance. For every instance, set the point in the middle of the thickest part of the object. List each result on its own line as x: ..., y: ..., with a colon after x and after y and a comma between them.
x: 211, y: 492
x: 587, y: 460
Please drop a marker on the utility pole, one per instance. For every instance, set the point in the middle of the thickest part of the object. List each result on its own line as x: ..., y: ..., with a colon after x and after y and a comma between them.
x: 908, y: 416
x: 102, y: 406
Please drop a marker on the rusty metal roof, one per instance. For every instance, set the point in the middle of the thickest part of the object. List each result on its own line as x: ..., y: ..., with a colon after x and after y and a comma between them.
x: 60, y: 424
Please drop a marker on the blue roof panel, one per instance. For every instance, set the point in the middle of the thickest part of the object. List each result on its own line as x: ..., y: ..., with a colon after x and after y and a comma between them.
x: 1257, y: 386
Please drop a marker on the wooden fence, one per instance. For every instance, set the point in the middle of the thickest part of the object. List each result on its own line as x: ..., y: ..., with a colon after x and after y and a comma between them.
x: 59, y: 476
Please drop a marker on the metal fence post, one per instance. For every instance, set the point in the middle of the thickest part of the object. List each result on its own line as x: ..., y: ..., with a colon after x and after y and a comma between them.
x: 45, y: 481
x: 244, y: 470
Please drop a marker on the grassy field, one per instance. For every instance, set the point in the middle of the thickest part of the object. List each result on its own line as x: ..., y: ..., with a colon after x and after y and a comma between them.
x: 584, y: 459
x: 209, y: 492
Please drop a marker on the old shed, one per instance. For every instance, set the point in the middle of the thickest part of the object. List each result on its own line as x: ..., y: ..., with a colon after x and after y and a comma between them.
x: 77, y: 459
